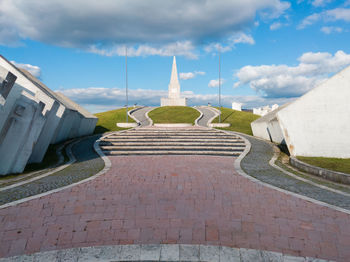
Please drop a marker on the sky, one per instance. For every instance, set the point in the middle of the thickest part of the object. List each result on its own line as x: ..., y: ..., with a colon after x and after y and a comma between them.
x: 271, y: 51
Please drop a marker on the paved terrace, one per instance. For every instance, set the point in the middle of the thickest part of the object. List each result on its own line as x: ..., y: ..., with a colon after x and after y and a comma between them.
x: 175, y: 200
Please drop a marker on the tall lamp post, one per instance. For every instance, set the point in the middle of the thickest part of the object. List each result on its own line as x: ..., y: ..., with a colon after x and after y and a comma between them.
x: 219, y: 84
x: 126, y: 81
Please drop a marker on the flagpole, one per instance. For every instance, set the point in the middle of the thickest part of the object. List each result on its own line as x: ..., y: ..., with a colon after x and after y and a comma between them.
x: 126, y: 81
x: 219, y: 85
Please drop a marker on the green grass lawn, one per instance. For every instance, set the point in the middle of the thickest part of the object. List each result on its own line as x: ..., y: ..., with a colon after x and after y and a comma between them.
x: 107, y: 121
x: 335, y: 164
x: 239, y: 120
x: 174, y: 114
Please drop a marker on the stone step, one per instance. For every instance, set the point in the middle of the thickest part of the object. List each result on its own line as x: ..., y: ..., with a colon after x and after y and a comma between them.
x: 173, y: 152
x: 167, y: 147
x: 189, y: 143
x: 173, y: 136
x: 132, y: 139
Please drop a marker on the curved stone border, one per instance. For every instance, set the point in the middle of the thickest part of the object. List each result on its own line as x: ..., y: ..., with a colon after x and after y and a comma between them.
x: 131, y: 116
x: 103, y: 171
x: 71, y: 157
x: 127, y: 125
x: 219, y: 125
x: 157, y: 252
x: 200, y: 116
x: 148, y: 118
x: 272, y: 163
x: 173, y: 125
x: 215, y: 111
x: 334, y: 176
x: 238, y: 168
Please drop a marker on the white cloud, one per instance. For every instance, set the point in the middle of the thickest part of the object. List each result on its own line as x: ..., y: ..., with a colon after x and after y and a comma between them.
x: 185, y: 48
x: 282, y: 81
x: 99, y: 99
x: 34, y: 70
x: 331, y: 29
x: 275, y: 26
x: 318, y: 3
x: 327, y: 16
x: 237, y: 38
x: 190, y: 75
x: 106, y: 23
x: 215, y: 82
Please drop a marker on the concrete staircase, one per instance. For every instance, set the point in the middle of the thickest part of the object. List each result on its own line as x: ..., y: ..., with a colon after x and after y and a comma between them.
x: 172, y: 141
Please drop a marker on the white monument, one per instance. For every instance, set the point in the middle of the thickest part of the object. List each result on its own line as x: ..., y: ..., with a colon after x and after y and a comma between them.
x: 237, y: 106
x: 174, y: 98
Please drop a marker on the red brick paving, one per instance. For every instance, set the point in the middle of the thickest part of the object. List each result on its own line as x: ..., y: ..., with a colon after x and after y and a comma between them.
x: 174, y: 199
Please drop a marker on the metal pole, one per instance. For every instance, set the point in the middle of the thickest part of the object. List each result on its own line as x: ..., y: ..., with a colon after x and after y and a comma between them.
x: 126, y: 82
x: 219, y: 85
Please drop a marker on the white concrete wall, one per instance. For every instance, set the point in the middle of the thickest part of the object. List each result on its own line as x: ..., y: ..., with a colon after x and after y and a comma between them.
x: 64, y: 127
x: 318, y: 123
x: 173, y: 102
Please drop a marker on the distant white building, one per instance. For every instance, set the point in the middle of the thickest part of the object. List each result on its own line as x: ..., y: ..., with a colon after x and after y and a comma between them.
x: 173, y: 98
x: 237, y: 106
x: 261, y: 111
x: 316, y: 124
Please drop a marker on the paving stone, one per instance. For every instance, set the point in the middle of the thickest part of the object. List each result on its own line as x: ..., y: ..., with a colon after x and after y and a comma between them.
x: 310, y: 259
x: 228, y: 254
x: 93, y: 253
x: 130, y: 252
x: 209, y: 253
x: 287, y: 258
x: 248, y: 255
x: 150, y: 252
x: 271, y: 256
x: 189, y: 252
x: 69, y: 255
x: 18, y: 259
x: 170, y: 253
x: 46, y: 256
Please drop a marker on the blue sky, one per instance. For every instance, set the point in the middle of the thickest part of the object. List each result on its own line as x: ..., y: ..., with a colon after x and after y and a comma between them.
x: 272, y: 51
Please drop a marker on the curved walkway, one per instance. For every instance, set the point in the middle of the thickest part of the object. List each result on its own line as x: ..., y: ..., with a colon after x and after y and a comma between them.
x: 174, y: 199
x: 140, y: 115
x: 207, y: 115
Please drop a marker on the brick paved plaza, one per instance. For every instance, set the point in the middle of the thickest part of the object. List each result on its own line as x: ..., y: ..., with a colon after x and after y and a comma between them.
x: 174, y: 199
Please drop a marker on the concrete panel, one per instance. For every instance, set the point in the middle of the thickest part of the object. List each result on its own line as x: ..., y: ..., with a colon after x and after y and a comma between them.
x: 64, y: 127
x: 46, y: 135
x: 173, y: 102
x: 20, y: 132
x: 318, y: 123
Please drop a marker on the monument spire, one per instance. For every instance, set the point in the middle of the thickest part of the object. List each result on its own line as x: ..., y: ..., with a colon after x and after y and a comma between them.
x: 174, y: 98
x: 174, y: 85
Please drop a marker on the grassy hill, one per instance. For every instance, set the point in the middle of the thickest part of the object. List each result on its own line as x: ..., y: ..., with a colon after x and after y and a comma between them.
x: 174, y: 114
x: 239, y: 120
x: 107, y: 121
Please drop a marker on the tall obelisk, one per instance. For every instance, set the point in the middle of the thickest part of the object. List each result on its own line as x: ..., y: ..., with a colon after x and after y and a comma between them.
x: 174, y: 98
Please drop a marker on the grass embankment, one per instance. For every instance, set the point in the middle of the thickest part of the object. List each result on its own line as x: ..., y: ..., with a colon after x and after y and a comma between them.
x: 174, y: 114
x: 107, y: 121
x: 335, y: 164
x: 239, y: 120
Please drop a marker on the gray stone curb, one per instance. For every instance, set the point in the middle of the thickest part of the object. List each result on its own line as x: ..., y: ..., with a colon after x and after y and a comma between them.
x: 238, y: 168
x: 200, y: 116
x: 157, y: 252
x: 272, y: 163
x: 215, y: 111
x: 103, y: 171
x: 72, y: 160
x: 334, y: 176
x: 148, y: 118
x: 133, y: 117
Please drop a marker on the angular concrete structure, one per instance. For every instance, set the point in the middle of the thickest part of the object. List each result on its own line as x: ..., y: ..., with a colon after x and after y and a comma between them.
x: 268, y: 128
x: 318, y: 123
x: 237, y: 106
x: 174, y: 98
x: 32, y: 117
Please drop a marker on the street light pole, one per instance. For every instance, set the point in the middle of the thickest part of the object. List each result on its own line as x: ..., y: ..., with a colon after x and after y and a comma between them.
x: 126, y: 81
x: 219, y: 84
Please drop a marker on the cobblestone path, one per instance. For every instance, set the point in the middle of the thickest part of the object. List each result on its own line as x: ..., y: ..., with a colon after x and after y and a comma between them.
x: 175, y: 199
